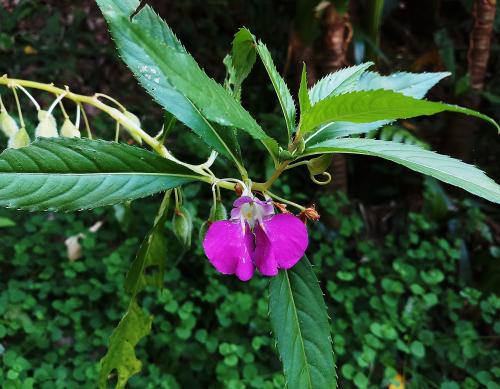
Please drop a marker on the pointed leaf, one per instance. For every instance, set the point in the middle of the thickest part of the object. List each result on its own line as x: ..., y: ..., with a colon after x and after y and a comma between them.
x: 121, y: 357
x: 369, y: 106
x: 243, y: 54
x: 342, y: 130
x: 175, y: 80
x: 442, y: 167
x: 69, y: 174
x: 304, y: 101
x: 151, y: 256
x: 284, y: 96
x: 409, y: 84
x: 301, y: 327
x: 136, y: 324
x: 337, y: 83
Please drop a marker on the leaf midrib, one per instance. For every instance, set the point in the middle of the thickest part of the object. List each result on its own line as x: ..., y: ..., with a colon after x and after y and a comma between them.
x: 306, y: 362
x: 137, y: 174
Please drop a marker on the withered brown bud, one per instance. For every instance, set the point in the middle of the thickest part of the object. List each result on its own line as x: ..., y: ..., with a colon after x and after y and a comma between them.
x: 309, y: 214
x: 281, y: 207
x: 238, y: 189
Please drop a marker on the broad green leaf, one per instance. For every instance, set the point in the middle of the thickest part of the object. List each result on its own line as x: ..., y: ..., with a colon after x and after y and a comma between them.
x: 301, y: 327
x: 151, y: 256
x: 369, y: 106
x: 280, y: 87
x: 69, y: 174
x: 174, y: 79
x: 121, y: 357
x: 442, y: 167
x: 409, y: 84
x: 304, y: 101
x: 337, y: 83
x: 136, y: 324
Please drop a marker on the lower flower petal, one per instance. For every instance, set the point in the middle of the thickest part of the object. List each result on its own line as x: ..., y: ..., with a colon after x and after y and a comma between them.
x: 230, y: 249
x: 286, y: 241
x: 264, y: 255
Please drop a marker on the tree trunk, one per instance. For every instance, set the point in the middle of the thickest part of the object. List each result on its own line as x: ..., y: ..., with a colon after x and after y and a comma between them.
x: 460, y: 133
x: 337, y: 34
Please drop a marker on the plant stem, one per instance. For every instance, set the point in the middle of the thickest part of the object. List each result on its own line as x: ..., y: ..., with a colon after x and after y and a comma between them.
x: 91, y: 100
x: 281, y: 167
x: 298, y: 206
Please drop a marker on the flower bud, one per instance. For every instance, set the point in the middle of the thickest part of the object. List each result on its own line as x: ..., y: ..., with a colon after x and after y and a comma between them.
x: 47, y: 127
x: 19, y: 139
x: 281, y: 207
x: 238, y: 189
x: 134, y: 119
x: 7, y: 124
x: 319, y: 164
x: 183, y: 226
x: 69, y: 130
x: 217, y: 212
x: 301, y: 146
x: 309, y: 214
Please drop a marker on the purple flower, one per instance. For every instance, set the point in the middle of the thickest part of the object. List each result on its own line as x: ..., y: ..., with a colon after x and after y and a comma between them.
x: 255, y: 237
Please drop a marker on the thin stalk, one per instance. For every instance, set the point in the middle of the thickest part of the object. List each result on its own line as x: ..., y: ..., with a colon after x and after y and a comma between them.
x: 20, y: 113
x: 281, y: 199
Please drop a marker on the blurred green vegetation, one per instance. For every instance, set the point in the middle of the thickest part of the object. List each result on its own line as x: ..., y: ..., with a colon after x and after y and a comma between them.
x: 398, y: 304
x: 410, y: 274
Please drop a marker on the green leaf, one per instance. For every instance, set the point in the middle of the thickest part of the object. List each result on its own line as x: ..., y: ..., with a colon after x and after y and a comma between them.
x: 121, y: 357
x: 151, y: 256
x: 136, y: 324
x: 6, y: 222
x: 69, y: 174
x: 174, y: 79
x: 442, y: 167
x: 304, y: 101
x: 417, y: 349
x: 336, y: 83
x: 243, y: 55
x: 342, y: 129
x: 301, y: 327
x: 280, y: 87
x: 409, y: 84
x: 369, y: 106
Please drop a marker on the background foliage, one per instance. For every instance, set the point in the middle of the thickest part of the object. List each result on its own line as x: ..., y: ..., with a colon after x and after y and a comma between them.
x: 410, y: 275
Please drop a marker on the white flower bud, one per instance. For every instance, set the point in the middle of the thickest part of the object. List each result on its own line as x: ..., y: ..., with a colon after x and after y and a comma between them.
x: 47, y: 127
x: 69, y: 130
x: 7, y: 124
x: 19, y: 139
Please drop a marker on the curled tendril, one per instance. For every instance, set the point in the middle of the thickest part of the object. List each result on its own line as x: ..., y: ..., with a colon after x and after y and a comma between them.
x: 325, y: 182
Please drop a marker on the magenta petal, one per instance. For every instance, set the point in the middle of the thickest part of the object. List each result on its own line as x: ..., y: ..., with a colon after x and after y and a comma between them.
x: 230, y: 249
x: 242, y: 200
x: 264, y: 255
x: 286, y: 242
